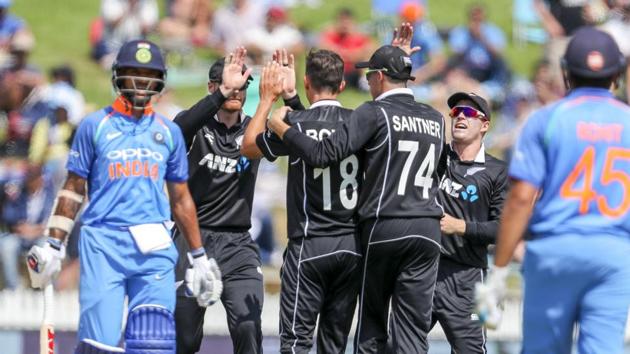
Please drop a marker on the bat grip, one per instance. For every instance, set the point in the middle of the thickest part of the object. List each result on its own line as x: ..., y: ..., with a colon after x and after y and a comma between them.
x: 48, y: 304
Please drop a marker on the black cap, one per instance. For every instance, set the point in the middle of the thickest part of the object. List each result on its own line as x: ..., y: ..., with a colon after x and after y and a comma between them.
x: 393, y: 60
x: 592, y: 53
x: 215, y: 74
x: 140, y: 54
x: 479, y: 101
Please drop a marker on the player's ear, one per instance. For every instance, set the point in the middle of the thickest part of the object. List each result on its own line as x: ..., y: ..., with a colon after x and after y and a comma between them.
x: 485, y: 126
x: 211, y: 87
x: 307, y: 82
x: 342, y: 86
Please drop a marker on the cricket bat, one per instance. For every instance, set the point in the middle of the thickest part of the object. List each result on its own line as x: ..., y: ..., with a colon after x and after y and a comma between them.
x: 47, y: 330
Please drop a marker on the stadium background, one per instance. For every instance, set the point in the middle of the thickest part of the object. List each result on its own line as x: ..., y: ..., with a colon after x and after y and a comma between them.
x: 61, y: 27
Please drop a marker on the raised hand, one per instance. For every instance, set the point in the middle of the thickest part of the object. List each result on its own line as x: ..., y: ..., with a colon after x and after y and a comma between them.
x: 271, y: 82
x: 233, y: 77
x: 287, y: 70
x: 402, y: 38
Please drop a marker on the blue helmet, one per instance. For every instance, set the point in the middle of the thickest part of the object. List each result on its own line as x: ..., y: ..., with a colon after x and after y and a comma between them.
x: 593, y: 54
x: 139, y: 54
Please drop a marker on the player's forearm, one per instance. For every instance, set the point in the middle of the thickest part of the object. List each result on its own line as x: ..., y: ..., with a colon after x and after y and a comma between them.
x: 193, y: 119
x: 516, y: 213
x: 484, y: 232
x: 315, y: 153
x: 68, y: 203
x: 256, y: 126
x: 185, y: 215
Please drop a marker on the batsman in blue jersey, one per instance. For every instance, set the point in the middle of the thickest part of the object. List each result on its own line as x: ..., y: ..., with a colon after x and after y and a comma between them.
x: 122, y: 155
x: 571, y: 171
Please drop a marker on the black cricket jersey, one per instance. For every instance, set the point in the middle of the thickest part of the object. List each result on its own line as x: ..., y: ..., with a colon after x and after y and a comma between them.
x: 400, y: 141
x: 221, y: 181
x: 473, y: 191
x: 320, y: 201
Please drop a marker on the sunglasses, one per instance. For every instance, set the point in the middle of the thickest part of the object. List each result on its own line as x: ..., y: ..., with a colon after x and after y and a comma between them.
x: 468, y: 112
x: 370, y: 71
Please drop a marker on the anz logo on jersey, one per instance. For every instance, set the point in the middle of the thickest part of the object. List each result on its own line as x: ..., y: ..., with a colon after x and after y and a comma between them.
x: 457, y: 190
x: 225, y: 164
x: 135, y: 162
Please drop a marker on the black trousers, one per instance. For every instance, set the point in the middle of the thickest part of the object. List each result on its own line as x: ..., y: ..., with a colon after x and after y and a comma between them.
x: 453, y: 306
x: 320, y: 276
x: 239, y: 260
x: 400, y: 266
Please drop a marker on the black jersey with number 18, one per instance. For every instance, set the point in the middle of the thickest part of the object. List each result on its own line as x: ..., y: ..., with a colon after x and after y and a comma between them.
x: 320, y: 201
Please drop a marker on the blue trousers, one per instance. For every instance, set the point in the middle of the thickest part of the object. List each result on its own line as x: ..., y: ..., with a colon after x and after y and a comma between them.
x: 113, y: 267
x: 576, y: 279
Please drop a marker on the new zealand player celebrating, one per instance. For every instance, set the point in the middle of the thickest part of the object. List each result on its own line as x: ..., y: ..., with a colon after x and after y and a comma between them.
x: 575, y: 155
x: 222, y: 184
x: 125, y: 152
x: 472, y: 190
x: 320, y: 274
x: 400, y: 141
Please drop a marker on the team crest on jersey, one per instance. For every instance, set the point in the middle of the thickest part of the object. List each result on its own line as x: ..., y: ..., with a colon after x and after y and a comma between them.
x: 158, y: 137
x: 239, y: 141
x: 472, y: 170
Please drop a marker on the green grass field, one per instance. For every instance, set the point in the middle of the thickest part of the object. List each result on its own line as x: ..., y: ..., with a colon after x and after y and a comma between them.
x: 61, y: 30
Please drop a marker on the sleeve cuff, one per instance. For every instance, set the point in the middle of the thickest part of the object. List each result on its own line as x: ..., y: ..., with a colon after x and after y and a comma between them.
x: 263, y: 146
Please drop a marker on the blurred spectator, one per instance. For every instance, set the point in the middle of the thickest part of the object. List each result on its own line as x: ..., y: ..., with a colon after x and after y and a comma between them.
x: 52, y: 136
x: 22, y: 98
x: 230, y: 23
x: 347, y: 41
x: 430, y: 61
x: 9, y: 26
x: 25, y: 211
x: 618, y: 25
x: 478, y: 52
x: 187, y: 23
x: 560, y: 18
x: 276, y: 33
x: 524, y: 98
x: 63, y: 88
x: 122, y: 20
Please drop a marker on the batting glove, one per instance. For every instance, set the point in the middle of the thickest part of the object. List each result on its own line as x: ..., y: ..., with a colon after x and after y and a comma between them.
x: 44, y: 262
x: 203, y: 280
x: 489, y: 297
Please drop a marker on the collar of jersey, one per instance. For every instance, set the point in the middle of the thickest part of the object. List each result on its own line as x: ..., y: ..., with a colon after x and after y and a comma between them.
x: 396, y: 91
x: 326, y: 102
x: 123, y: 106
x: 479, y: 158
x: 590, y: 91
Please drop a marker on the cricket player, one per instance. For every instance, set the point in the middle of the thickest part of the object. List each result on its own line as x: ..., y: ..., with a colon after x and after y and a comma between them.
x: 222, y: 185
x: 321, y: 268
x: 472, y: 191
x: 122, y: 155
x: 574, y: 157
x: 400, y: 142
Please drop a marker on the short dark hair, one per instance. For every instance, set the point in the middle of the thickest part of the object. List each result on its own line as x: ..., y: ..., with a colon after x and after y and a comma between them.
x: 324, y: 68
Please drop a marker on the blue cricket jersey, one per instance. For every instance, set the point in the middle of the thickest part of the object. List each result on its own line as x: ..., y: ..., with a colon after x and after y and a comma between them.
x: 125, y: 162
x: 577, y: 153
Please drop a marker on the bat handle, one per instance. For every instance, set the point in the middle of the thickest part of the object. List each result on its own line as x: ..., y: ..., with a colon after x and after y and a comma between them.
x: 48, y: 304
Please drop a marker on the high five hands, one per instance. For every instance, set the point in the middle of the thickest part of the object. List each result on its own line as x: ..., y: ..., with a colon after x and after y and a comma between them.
x: 233, y: 77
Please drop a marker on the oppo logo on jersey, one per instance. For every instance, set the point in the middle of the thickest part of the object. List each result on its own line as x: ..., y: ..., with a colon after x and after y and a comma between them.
x: 318, y: 134
x: 137, y: 153
x: 219, y: 163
